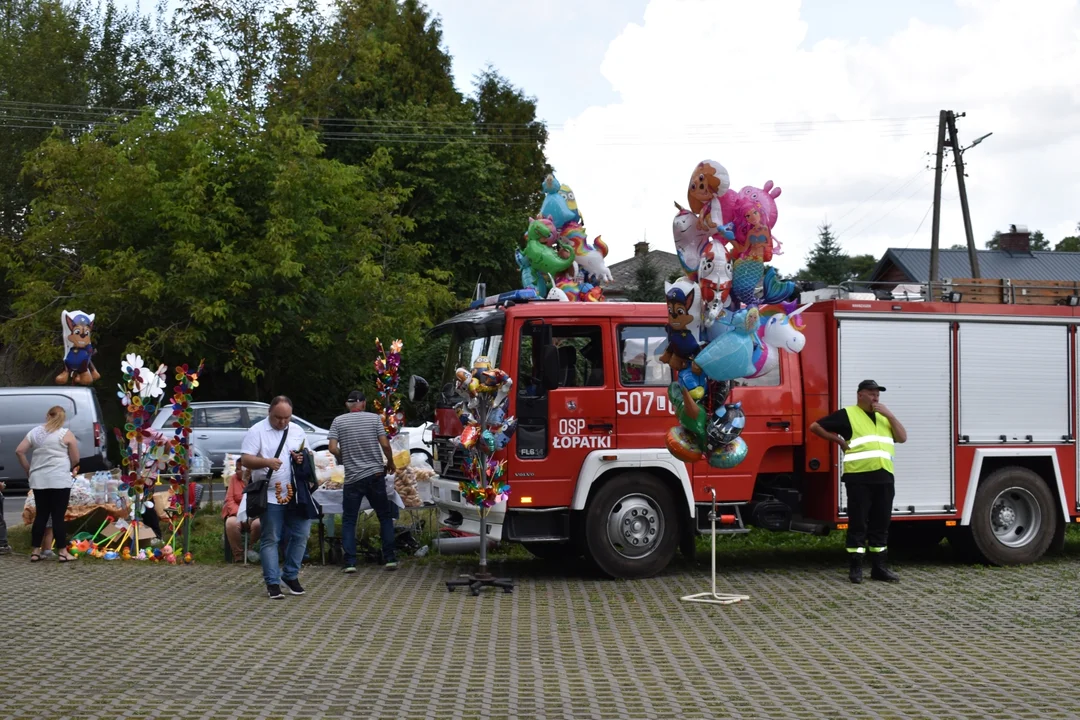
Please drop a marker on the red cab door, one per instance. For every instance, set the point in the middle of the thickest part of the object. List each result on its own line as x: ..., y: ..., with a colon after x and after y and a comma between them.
x: 548, y: 456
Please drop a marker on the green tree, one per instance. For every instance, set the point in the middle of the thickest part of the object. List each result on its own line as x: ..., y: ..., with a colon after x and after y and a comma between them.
x: 507, y: 120
x: 827, y: 261
x: 1070, y: 243
x: 376, y: 78
x: 648, y: 285
x: 66, y: 67
x: 43, y: 56
x: 223, y: 235
x: 861, y: 266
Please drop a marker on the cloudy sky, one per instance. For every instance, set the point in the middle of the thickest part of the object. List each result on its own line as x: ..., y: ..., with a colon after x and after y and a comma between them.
x: 835, y: 101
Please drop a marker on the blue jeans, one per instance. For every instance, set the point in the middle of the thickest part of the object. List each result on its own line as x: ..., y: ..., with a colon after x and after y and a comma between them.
x: 275, y: 522
x: 374, y: 488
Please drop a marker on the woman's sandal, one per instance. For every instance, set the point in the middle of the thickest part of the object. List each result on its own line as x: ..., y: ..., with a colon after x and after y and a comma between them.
x: 65, y: 558
x: 35, y: 557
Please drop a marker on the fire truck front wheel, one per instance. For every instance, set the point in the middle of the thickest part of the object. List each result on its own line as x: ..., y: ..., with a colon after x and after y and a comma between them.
x: 632, y: 526
x: 1014, y: 517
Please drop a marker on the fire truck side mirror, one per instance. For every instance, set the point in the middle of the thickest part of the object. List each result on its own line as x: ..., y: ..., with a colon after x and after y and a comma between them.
x: 550, y: 367
x: 418, y: 388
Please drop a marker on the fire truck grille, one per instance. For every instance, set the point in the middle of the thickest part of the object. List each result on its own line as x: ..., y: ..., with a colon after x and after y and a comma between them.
x: 446, y: 453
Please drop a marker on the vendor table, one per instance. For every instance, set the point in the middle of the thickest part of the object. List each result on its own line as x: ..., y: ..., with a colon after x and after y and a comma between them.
x: 331, y: 502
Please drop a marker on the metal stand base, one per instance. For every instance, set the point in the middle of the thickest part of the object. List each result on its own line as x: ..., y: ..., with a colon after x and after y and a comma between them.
x: 714, y: 598
x: 481, y: 580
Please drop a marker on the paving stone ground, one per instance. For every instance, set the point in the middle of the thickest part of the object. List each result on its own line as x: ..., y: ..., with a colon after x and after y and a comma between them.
x: 107, y: 640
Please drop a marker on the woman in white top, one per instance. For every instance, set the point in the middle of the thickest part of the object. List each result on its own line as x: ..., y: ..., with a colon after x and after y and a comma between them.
x: 55, y: 455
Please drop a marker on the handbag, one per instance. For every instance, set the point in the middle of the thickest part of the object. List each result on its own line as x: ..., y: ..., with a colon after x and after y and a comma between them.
x: 257, y: 488
x: 304, y: 483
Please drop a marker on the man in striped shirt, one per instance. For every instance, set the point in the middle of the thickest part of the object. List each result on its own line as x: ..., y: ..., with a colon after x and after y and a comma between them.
x: 358, y: 440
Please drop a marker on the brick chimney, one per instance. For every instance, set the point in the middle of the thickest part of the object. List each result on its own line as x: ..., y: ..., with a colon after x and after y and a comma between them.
x: 1018, y: 239
x: 641, y: 248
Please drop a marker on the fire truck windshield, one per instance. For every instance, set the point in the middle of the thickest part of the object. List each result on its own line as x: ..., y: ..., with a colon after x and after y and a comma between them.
x: 464, y: 353
x: 472, y: 334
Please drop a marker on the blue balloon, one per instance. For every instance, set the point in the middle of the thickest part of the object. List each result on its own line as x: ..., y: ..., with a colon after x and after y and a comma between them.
x: 731, y: 355
x: 726, y: 426
x: 559, y: 203
x: 730, y: 455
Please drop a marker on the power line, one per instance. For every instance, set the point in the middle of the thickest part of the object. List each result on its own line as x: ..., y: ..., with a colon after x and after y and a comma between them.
x: 890, y: 211
x: 869, y: 212
x: 861, y: 203
x: 478, y: 134
x: 782, y: 124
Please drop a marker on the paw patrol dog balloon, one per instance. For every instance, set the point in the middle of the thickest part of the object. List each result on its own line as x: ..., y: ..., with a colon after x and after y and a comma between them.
x: 78, y: 348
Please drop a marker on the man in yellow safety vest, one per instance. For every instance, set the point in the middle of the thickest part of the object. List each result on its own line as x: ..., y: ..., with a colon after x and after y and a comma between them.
x: 866, y: 433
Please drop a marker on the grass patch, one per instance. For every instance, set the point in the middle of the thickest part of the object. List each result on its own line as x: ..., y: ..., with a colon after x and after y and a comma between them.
x: 755, y: 548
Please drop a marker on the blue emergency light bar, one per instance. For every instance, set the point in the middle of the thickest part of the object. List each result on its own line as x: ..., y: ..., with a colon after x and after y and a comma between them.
x: 524, y: 295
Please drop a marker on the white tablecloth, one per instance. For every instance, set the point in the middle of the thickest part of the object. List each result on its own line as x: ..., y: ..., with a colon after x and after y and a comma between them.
x: 331, y: 500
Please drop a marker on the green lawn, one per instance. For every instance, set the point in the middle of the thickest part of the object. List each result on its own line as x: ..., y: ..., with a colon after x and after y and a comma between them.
x: 757, y: 547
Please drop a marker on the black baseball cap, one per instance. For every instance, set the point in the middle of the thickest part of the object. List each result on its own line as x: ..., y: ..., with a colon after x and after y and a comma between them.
x: 356, y: 396
x: 870, y: 385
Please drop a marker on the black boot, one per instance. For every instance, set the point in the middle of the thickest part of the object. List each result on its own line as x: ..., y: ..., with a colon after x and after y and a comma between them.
x: 879, y: 571
x: 855, y: 567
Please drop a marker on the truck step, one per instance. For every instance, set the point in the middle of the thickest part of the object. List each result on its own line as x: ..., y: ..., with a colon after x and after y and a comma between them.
x: 728, y: 519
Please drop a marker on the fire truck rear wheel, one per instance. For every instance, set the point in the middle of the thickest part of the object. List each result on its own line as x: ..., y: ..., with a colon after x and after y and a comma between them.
x: 632, y: 526
x: 1014, y: 519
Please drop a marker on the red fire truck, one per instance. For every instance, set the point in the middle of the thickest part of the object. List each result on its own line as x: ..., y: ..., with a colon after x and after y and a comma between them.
x: 988, y: 394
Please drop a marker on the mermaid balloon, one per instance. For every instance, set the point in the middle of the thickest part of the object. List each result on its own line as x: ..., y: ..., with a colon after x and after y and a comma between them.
x: 752, y: 248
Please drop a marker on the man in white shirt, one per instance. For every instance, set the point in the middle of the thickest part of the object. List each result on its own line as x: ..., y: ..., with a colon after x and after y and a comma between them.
x: 259, y: 453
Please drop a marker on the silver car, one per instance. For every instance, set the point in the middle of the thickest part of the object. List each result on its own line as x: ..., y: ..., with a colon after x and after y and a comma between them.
x: 21, y: 408
x: 218, y: 427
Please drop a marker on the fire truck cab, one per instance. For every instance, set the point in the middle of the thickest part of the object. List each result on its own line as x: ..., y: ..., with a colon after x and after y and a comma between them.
x: 988, y: 394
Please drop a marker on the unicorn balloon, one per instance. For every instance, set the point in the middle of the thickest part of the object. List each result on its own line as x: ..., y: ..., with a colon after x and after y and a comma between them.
x: 778, y: 329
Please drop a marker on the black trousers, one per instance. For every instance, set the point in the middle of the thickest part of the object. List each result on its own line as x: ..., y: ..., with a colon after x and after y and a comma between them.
x: 869, y: 514
x: 50, y: 503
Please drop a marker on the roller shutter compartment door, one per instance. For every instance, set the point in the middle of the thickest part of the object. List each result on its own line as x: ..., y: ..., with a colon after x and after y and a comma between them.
x: 1014, y: 381
x: 913, y: 361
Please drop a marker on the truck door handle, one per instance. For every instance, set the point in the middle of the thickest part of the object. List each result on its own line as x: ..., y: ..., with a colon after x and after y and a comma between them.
x: 778, y: 423
x: 602, y: 426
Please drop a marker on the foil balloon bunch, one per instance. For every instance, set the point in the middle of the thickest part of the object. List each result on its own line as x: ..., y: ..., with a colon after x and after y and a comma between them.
x: 728, y: 318
x: 483, y: 392
x: 485, y: 494
x: 387, y: 377
x: 555, y: 256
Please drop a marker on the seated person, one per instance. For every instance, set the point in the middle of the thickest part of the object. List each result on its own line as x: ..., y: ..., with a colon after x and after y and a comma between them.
x: 233, y: 527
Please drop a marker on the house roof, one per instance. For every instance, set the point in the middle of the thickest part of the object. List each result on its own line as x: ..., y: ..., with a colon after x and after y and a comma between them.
x: 624, y: 273
x: 1036, y: 265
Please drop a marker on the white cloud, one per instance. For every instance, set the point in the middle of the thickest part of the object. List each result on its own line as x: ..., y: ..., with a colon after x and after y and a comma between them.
x: 732, y: 81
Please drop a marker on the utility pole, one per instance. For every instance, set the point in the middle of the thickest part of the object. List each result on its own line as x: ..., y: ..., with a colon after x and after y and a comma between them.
x: 958, y: 156
x: 935, y: 233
